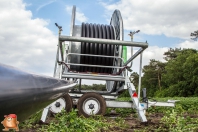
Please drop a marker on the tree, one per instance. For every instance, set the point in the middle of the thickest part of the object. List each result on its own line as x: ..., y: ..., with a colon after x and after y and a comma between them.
x: 134, y: 79
x: 160, y: 67
x: 152, y: 77
x: 195, y: 35
x: 171, y: 53
x: 191, y: 74
x: 179, y: 73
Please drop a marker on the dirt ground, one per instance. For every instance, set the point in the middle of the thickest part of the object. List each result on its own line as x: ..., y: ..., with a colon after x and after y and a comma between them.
x: 133, y: 123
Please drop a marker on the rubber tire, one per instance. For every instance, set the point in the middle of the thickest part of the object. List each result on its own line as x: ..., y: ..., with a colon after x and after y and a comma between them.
x: 91, y: 95
x: 69, y: 103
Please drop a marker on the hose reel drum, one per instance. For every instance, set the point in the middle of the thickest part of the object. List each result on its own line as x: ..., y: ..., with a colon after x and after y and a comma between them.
x: 97, y: 54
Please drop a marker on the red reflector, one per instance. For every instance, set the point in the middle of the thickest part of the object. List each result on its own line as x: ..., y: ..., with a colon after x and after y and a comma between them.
x: 135, y: 95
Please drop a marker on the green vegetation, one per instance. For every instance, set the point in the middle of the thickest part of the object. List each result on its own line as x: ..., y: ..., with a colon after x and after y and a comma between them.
x: 71, y: 122
x: 98, y: 87
x: 178, y: 76
x: 183, y: 117
x: 174, y: 122
x: 32, y: 122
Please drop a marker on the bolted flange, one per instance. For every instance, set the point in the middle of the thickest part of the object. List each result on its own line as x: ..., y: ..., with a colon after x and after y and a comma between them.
x: 57, y: 104
x: 91, y: 106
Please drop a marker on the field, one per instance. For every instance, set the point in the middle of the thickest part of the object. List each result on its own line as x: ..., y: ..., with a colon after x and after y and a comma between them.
x: 183, y: 117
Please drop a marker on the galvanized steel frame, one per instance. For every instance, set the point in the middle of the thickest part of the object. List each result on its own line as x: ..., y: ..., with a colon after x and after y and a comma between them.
x: 140, y: 107
x: 93, y: 76
x: 104, y: 41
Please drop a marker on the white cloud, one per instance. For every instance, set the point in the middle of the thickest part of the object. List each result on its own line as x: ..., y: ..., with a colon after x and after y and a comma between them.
x: 176, y: 18
x: 79, y: 15
x: 45, y: 4
x: 152, y: 52
x: 25, y: 42
x: 188, y: 44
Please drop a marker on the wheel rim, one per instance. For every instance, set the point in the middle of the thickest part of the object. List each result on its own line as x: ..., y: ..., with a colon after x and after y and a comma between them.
x: 91, y: 106
x: 58, y: 105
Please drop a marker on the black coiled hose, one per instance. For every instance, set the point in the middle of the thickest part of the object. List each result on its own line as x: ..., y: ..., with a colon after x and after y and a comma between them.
x: 97, y: 31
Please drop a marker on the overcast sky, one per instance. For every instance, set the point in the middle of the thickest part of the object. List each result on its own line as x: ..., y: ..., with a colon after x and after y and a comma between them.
x: 28, y: 36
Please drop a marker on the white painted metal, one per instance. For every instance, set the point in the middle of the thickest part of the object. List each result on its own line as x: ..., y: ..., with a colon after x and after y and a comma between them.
x: 168, y: 104
x: 136, y: 103
x: 93, y: 77
x: 87, y: 104
x: 140, y: 76
x: 45, y: 113
x: 74, y: 95
x: 104, y: 41
x: 172, y: 101
x: 127, y: 104
x: 118, y: 104
x: 56, y: 109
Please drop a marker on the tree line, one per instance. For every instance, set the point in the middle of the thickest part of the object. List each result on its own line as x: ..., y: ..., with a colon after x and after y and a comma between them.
x: 177, y: 76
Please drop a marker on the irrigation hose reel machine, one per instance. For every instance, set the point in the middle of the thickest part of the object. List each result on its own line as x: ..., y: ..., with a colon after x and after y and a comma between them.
x: 95, y: 51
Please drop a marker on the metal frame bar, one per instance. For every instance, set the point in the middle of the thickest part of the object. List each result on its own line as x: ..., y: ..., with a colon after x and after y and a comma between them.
x: 94, y: 77
x: 57, y: 59
x: 103, y: 41
x: 108, y: 41
x: 75, y: 64
x: 94, y: 74
x: 127, y: 104
x: 134, y: 56
x: 78, y: 95
x: 94, y: 55
x: 140, y: 76
x: 112, y: 103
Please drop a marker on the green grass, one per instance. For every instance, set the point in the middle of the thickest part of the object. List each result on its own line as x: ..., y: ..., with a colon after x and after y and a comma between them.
x: 181, y: 118
x: 71, y: 122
